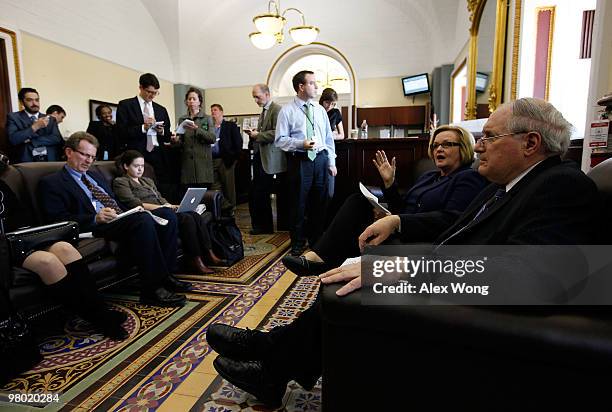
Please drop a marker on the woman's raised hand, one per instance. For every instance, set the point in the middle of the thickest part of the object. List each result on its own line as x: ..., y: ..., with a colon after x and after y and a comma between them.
x: 385, y: 169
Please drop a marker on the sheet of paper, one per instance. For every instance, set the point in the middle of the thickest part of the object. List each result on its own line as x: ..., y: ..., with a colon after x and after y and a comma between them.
x: 352, y: 260
x: 372, y: 199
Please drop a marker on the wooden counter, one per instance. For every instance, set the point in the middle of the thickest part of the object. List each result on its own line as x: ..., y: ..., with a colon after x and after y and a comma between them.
x: 354, y: 163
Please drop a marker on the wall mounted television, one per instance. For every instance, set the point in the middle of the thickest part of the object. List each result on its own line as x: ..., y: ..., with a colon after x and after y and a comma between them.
x: 481, y: 82
x: 416, y: 84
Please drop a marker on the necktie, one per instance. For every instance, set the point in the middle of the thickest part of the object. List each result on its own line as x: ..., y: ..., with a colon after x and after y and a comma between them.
x: 262, y: 116
x: 498, y: 195
x: 309, y: 129
x: 33, y: 118
x: 146, y: 113
x: 100, y: 195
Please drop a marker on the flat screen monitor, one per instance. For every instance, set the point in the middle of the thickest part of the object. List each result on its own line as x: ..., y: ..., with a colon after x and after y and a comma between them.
x: 416, y: 84
x: 481, y: 82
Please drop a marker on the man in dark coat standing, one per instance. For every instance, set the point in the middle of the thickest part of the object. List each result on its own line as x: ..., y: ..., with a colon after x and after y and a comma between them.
x: 225, y: 154
x: 34, y: 136
x: 144, y: 125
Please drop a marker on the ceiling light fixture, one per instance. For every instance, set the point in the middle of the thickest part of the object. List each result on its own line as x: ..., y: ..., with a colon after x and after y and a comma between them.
x: 272, y: 24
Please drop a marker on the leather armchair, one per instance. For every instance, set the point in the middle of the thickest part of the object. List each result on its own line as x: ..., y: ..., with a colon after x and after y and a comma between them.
x: 460, y: 357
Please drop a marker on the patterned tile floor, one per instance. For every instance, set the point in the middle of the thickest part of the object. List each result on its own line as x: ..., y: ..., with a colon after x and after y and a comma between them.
x: 166, y: 364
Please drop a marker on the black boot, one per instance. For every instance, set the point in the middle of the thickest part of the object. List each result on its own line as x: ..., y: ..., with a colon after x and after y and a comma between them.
x: 78, y: 293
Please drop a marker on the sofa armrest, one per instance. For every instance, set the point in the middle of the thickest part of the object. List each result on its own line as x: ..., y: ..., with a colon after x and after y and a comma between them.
x: 212, y: 200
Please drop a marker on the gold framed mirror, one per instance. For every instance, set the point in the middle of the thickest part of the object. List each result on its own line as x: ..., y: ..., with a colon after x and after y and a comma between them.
x: 495, y: 80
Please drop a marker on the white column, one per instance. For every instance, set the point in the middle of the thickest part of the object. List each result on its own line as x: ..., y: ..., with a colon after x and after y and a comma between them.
x: 600, y: 81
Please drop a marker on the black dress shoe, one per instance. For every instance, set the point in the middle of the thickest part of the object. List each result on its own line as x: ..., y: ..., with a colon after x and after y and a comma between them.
x: 173, y: 284
x: 107, y: 322
x: 162, y: 297
x: 115, y: 317
x: 261, y: 231
x: 235, y: 343
x: 297, y: 250
x: 304, y: 267
x: 115, y: 332
x: 252, y: 377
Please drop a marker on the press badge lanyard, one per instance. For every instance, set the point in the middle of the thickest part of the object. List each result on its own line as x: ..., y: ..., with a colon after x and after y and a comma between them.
x: 307, y: 118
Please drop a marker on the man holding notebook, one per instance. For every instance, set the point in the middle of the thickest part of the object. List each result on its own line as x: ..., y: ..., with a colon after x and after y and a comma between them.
x: 78, y: 194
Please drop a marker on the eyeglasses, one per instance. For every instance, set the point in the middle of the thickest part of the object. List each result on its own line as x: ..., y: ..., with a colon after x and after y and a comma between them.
x: 485, y: 139
x: 445, y: 145
x: 86, y: 155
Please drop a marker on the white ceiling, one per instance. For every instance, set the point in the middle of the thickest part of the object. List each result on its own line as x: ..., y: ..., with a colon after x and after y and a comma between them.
x: 205, y: 42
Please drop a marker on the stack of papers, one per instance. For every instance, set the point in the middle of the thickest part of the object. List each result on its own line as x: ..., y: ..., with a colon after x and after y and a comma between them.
x: 181, y: 127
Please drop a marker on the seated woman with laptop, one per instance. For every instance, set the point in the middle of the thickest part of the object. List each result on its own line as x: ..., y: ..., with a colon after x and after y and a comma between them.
x: 133, y: 189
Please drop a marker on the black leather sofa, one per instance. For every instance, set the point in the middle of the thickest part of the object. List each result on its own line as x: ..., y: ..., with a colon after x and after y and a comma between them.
x: 467, y: 357
x: 26, y: 291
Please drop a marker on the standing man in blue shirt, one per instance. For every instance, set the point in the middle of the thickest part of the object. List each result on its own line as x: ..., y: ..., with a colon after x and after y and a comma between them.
x: 303, y: 131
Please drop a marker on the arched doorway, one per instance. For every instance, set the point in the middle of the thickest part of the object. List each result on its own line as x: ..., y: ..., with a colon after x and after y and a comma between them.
x: 331, y: 68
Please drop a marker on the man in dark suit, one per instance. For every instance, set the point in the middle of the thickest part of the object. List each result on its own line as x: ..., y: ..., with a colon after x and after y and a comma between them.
x: 535, y: 199
x: 225, y: 154
x: 139, y: 128
x: 35, y: 136
x: 78, y: 194
x: 268, y: 160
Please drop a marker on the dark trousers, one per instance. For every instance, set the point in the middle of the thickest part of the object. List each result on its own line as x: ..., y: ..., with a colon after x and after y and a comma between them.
x: 151, y: 247
x: 224, y: 180
x: 295, y: 348
x: 194, y: 232
x: 340, y: 240
x: 307, y: 186
x: 165, y: 181
x: 260, y: 205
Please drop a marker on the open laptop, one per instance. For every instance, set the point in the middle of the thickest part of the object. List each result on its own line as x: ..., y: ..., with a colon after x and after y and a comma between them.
x: 192, y: 199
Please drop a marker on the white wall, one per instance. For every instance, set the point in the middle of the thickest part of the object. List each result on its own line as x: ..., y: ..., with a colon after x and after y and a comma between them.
x: 601, y: 71
x: 119, y: 31
x: 205, y: 42
x: 569, y: 75
x: 70, y: 78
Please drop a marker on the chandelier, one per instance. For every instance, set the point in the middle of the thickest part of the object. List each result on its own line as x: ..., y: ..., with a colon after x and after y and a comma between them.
x: 270, y: 28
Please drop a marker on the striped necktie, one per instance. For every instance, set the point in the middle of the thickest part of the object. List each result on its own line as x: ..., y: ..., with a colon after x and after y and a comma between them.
x: 100, y: 195
x: 498, y: 195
